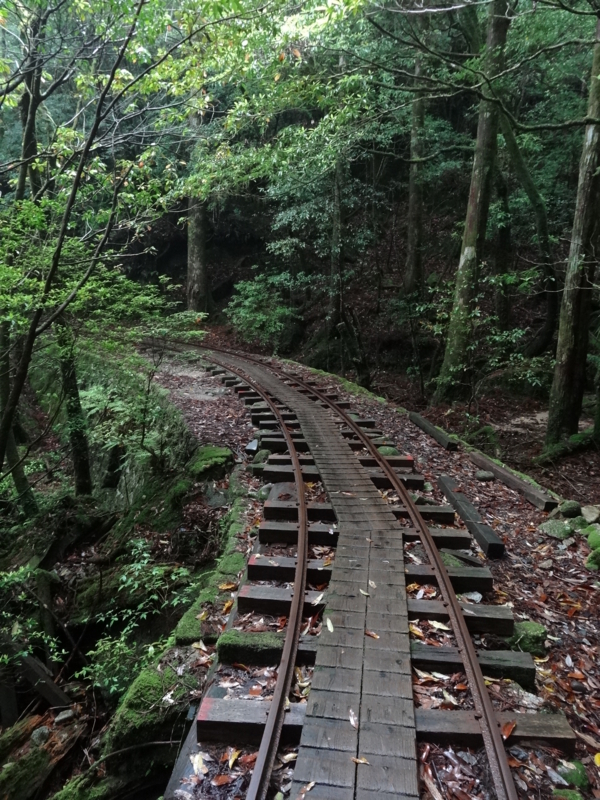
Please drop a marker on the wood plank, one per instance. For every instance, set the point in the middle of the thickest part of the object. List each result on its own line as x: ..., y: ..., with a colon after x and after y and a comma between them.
x: 536, y: 497
x: 443, y: 515
x: 282, y: 568
x: 279, y: 473
x: 274, y: 600
x: 277, y: 444
x: 461, y: 727
x: 452, y: 538
x: 479, y: 618
x: 285, y: 510
x: 437, y: 433
x: 463, y: 579
x: 394, y: 461
x: 489, y: 541
x: 495, y: 663
x: 243, y: 721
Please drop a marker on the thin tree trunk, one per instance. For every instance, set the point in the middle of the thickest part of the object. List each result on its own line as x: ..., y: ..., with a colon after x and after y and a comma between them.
x: 413, y: 279
x: 336, y: 278
x: 543, y: 336
x: 26, y: 497
x: 76, y: 422
x: 454, y: 375
x: 566, y: 395
x: 198, y: 293
x: 503, y: 254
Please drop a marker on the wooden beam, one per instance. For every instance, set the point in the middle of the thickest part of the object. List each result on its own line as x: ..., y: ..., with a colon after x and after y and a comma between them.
x: 436, y: 433
x: 489, y: 541
x: 535, y: 496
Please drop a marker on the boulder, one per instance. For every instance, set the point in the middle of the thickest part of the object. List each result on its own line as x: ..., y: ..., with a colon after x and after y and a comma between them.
x: 529, y: 637
x: 556, y: 528
x: 570, y: 508
x: 484, y: 475
x: 577, y: 523
x: 591, y: 514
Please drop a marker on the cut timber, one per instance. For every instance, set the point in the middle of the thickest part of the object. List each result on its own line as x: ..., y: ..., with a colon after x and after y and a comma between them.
x: 275, y: 600
x: 535, y: 496
x: 479, y: 618
x: 463, y: 579
x: 461, y: 727
x: 281, y: 568
x: 243, y: 721
x: 517, y: 666
x: 437, y: 433
x: 278, y: 509
x: 263, y: 654
x: 277, y: 444
x: 278, y: 473
x: 287, y: 532
x: 489, y: 541
x: 451, y: 538
x: 443, y: 515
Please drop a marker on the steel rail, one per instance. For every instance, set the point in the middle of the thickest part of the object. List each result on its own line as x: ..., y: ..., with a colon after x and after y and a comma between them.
x: 484, y: 710
x: 269, y: 744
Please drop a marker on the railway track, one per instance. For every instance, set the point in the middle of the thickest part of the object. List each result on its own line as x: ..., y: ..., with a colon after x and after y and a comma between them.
x: 360, y: 708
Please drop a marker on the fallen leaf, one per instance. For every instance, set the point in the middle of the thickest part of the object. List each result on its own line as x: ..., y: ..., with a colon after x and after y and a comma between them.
x: 372, y: 634
x: 360, y: 760
x: 234, y: 757
x: 416, y: 631
x: 306, y: 789
x: 508, y: 728
x: 288, y: 757
x: 227, y: 607
x: 353, y: 719
x: 317, y: 600
x: 224, y: 587
x: 200, y: 646
x: 222, y: 780
x: 198, y: 764
x: 438, y: 625
x: 597, y: 759
x: 329, y: 625
x: 372, y: 584
x: 203, y: 615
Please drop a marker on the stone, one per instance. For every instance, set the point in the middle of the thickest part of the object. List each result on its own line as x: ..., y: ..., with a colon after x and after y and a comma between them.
x: 592, y: 534
x: 556, y: 528
x: 264, y: 491
x: 64, y: 716
x: 484, y: 475
x: 388, y: 451
x: 577, y: 523
x: 529, y: 637
x: 40, y: 736
x: 547, y: 564
x: 593, y: 560
x: 261, y: 457
x: 575, y: 773
x: 252, y: 447
x: 591, y: 514
x: 570, y: 508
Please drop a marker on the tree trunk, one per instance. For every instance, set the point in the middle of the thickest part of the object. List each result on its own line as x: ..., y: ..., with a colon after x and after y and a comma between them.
x: 503, y: 254
x: 25, y: 495
x: 566, y: 395
x: 335, y: 289
x: 454, y: 375
x: 597, y: 410
x: 198, y: 293
x: 413, y: 278
x: 76, y: 422
x: 543, y: 336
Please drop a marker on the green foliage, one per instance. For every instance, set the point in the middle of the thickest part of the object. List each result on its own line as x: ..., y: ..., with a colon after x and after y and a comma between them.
x: 259, y: 311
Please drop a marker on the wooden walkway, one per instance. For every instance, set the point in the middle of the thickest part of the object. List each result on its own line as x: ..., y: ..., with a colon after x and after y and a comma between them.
x: 359, y: 678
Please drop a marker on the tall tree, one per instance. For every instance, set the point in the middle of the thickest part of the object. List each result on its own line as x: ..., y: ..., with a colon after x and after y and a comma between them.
x: 198, y: 292
x: 413, y: 276
x: 453, y: 378
x: 566, y: 395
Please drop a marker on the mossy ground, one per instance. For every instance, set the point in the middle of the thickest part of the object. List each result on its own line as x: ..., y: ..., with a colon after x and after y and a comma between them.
x: 529, y: 637
x: 257, y: 649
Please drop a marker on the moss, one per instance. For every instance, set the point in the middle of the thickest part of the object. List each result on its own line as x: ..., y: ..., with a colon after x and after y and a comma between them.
x: 189, y: 628
x: 529, y: 637
x: 21, y: 779
x: 14, y: 737
x: 578, y: 523
x: 570, y: 508
x: 450, y: 560
x: 388, y: 451
x: 256, y: 649
x: 593, y: 560
x: 83, y: 788
x: 575, y: 773
x: 349, y: 386
x: 566, y: 794
x: 210, y: 462
x: 232, y: 564
x: 592, y: 534
x: 143, y: 715
x: 556, y: 528
x: 261, y: 457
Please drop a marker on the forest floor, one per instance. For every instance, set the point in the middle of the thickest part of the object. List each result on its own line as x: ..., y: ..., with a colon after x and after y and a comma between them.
x: 543, y: 579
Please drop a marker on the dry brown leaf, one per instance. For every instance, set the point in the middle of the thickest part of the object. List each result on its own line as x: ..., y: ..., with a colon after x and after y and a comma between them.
x: 222, y: 780
x: 360, y: 760
x: 372, y: 634
x: 508, y: 728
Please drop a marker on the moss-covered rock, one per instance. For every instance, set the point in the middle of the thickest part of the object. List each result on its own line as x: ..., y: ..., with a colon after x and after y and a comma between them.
x: 210, y: 462
x: 388, y: 451
x: 22, y: 778
x: 593, y: 560
x: 85, y: 788
x: 529, y: 637
x: 570, y: 508
x: 256, y: 649
x: 556, y: 528
x: 592, y: 534
x: 261, y: 457
x: 450, y: 560
x: 577, y: 523
x: 155, y: 702
x: 566, y: 794
x: 575, y: 773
